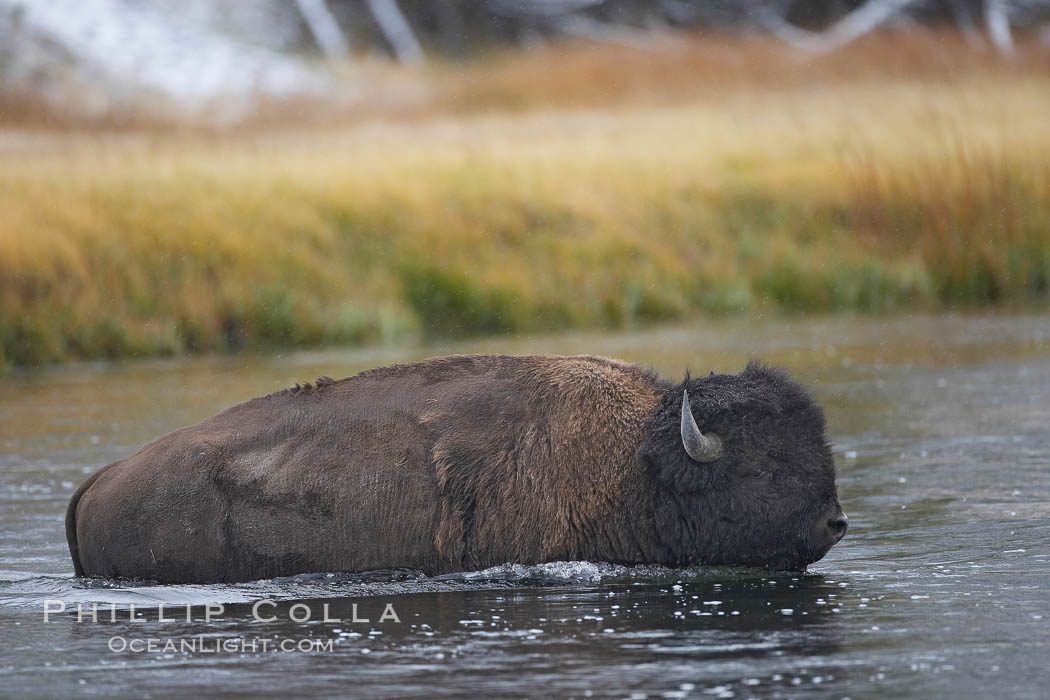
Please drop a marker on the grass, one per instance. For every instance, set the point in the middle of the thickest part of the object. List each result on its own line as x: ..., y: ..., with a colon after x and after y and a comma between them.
x: 824, y: 186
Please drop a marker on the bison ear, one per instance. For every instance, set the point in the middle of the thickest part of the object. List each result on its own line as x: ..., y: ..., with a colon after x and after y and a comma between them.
x: 702, y: 448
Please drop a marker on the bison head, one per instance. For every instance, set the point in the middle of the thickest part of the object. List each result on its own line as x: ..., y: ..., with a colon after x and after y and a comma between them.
x: 743, y: 473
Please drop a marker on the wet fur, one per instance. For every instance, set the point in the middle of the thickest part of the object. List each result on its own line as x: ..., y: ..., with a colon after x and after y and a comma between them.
x: 460, y: 463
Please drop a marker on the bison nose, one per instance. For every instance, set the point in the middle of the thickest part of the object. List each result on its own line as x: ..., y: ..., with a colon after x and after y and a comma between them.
x: 838, y: 526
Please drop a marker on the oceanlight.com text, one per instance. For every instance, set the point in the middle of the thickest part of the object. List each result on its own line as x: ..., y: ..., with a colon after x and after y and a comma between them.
x: 213, y: 645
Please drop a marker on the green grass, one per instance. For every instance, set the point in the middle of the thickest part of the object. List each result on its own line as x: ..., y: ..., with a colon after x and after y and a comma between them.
x: 869, y: 196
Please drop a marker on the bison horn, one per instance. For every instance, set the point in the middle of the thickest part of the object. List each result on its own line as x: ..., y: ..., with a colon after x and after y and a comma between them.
x: 702, y: 448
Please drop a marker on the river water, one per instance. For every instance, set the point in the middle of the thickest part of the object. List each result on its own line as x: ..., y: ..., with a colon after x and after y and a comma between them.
x: 941, y: 433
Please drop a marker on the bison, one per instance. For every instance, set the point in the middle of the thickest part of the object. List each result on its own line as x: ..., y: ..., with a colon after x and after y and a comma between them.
x: 464, y: 462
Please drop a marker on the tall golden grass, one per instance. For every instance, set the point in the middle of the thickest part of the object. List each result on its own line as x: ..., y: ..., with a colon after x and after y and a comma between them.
x: 847, y: 187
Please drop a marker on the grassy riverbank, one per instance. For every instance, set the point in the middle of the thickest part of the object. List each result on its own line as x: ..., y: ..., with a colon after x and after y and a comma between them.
x: 887, y: 190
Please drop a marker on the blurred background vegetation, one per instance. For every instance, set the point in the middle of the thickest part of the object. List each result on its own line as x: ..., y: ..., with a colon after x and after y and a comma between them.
x: 192, y: 177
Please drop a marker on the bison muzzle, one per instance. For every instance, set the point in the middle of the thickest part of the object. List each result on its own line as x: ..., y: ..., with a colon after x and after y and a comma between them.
x: 464, y: 462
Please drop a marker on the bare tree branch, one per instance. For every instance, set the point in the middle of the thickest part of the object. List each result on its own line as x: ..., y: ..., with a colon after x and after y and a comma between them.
x: 397, y: 30
x: 997, y: 22
x: 866, y: 18
x: 325, y: 29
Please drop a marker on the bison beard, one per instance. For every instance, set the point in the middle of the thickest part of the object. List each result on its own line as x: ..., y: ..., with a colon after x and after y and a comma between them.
x: 464, y: 462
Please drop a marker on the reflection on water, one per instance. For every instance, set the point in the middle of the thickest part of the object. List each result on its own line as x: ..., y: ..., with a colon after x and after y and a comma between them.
x: 940, y: 588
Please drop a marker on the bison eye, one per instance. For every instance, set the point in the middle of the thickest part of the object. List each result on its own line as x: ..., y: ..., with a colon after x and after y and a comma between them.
x: 755, y: 474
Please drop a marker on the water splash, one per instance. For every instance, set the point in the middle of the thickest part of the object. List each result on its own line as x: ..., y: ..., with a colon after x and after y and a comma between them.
x: 30, y: 592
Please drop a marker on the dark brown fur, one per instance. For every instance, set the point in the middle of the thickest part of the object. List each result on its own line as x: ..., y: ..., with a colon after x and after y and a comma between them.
x: 456, y: 463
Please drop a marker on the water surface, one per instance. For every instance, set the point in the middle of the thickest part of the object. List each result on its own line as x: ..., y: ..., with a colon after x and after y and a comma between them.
x: 940, y: 431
